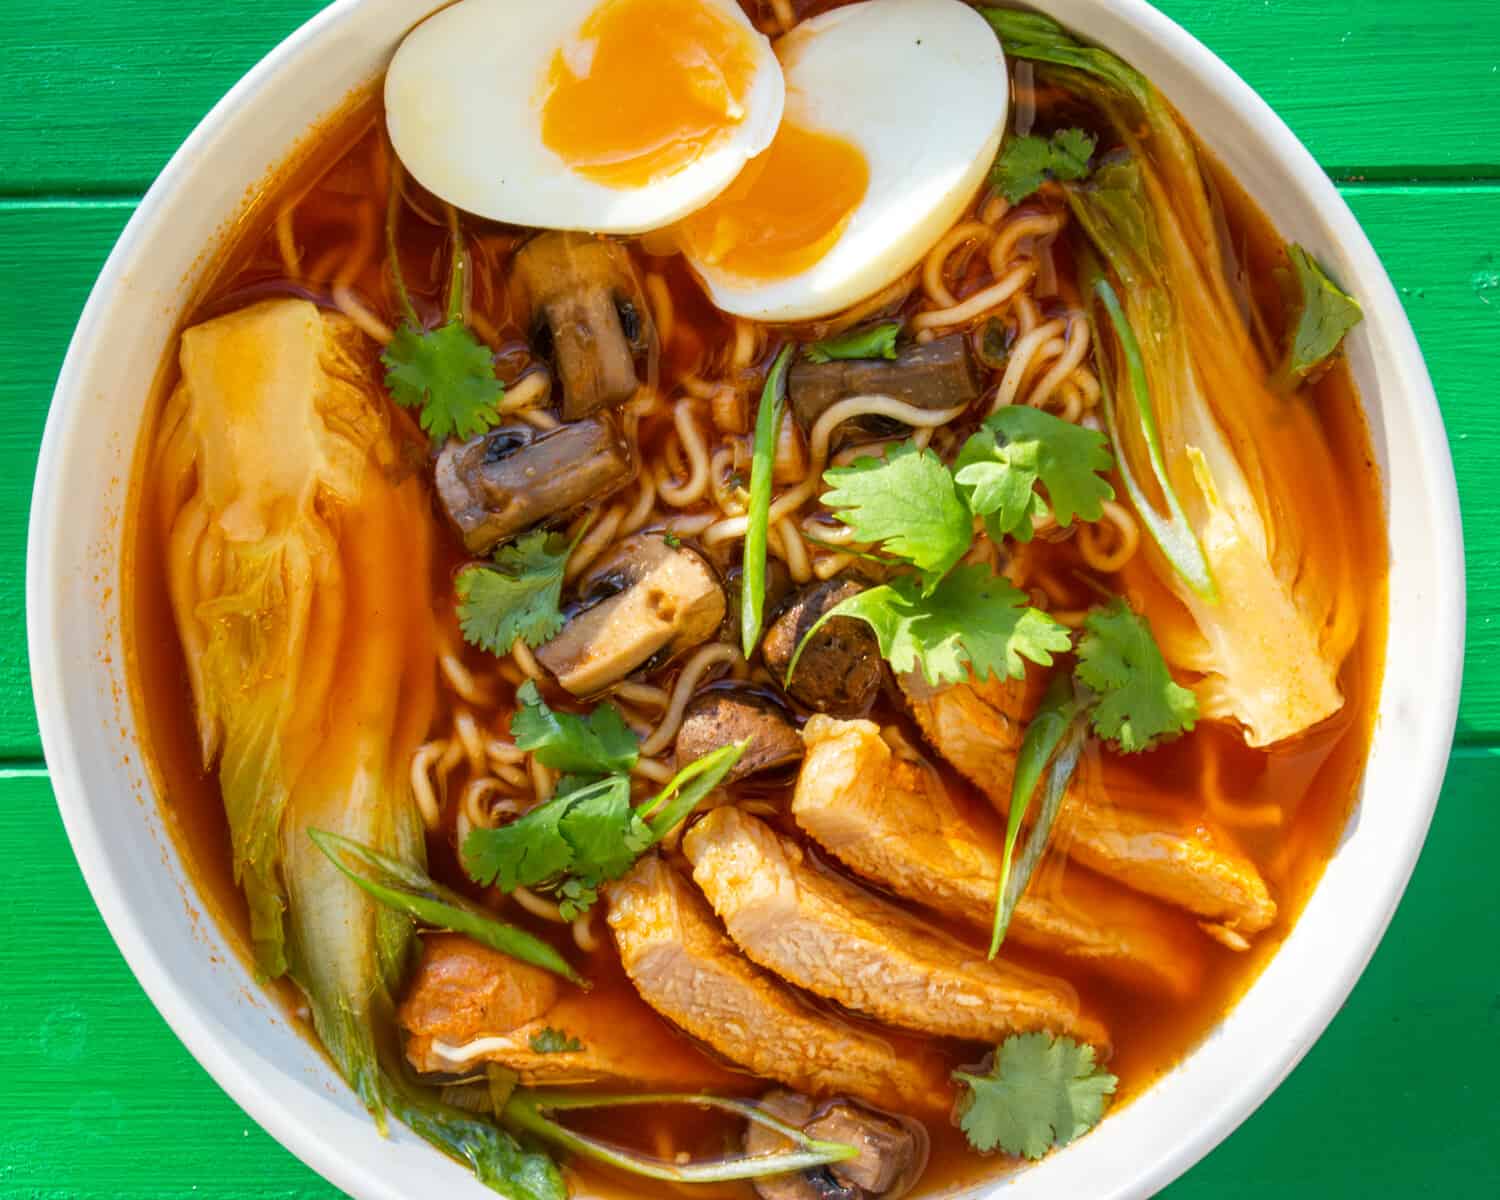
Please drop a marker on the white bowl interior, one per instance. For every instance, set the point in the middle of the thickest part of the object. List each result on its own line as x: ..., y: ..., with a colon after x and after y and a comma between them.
x: 182, y: 958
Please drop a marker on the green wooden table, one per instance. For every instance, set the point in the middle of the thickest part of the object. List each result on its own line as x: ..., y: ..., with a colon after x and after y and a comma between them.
x: 1399, y: 99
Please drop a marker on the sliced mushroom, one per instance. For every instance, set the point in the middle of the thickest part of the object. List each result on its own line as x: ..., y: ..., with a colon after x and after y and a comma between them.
x: 727, y: 713
x: 510, y: 478
x: 643, y: 602
x: 892, y: 1152
x: 940, y: 375
x: 840, y: 670
x: 584, y: 289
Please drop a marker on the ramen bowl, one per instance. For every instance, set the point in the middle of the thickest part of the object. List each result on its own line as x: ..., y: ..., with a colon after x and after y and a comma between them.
x: 190, y: 967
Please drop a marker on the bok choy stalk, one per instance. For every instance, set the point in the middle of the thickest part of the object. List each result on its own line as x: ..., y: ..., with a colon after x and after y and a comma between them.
x: 1251, y: 537
x: 297, y: 572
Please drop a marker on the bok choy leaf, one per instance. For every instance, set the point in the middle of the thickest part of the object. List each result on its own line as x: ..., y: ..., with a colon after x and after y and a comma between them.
x: 318, y: 603
x: 1236, y: 483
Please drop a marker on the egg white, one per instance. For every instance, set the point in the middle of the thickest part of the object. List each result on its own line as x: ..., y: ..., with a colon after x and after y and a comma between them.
x: 462, y: 100
x: 920, y: 86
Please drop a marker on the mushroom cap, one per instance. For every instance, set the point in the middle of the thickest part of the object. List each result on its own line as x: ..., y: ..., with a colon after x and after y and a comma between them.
x: 725, y: 713
x: 840, y: 670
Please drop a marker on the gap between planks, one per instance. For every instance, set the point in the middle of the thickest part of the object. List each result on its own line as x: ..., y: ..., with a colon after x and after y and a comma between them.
x: 1468, y: 751
x: 1350, y: 180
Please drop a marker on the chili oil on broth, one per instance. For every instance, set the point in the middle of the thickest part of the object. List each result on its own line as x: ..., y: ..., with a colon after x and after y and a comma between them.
x: 336, y: 194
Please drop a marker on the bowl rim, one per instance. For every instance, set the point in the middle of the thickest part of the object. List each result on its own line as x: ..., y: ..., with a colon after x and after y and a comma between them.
x: 326, y: 1156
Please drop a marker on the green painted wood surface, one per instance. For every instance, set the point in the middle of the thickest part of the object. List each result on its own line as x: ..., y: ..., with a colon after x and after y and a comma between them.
x: 1398, y: 98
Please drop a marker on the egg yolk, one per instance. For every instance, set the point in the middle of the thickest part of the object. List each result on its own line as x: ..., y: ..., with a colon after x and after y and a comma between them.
x: 649, y: 87
x: 785, y: 210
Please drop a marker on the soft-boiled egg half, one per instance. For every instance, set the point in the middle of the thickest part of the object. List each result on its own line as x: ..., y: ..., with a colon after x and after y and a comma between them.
x: 796, y: 181
x: 612, y: 116
x: 894, y: 112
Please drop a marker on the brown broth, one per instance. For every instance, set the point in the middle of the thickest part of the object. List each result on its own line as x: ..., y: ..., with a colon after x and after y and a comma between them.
x: 341, y: 185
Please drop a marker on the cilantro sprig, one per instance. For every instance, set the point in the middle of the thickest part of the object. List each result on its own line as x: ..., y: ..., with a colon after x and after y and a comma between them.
x: 520, y: 596
x: 1017, y: 450
x: 1028, y: 162
x: 554, y: 1041
x: 1038, y: 1092
x: 908, y: 503
x: 588, y: 833
x: 972, y: 623
x: 598, y: 744
x: 446, y: 374
x: 1137, y: 703
x: 871, y: 341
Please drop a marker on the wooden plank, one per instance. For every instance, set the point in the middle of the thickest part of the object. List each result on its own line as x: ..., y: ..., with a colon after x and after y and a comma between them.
x: 1442, y: 249
x: 113, y: 1108
x: 1383, y: 90
x: 49, y: 255
x: 1397, y: 1098
x: 1371, y: 88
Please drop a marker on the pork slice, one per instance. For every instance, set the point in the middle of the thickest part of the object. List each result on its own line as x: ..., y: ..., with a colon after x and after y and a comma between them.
x: 978, y: 728
x: 469, y: 1005
x: 682, y: 964
x: 895, y: 823
x: 830, y: 936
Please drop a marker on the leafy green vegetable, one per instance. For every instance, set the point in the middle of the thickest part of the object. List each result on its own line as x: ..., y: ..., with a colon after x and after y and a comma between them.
x: 872, y: 341
x: 758, y: 513
x: 555, y: 1041
x: 527, y: 1111
x: 597, y: 744
x: 1138, y: 703
x: 1018, y: 448
x: 1026, y: 163
x: 494, y: 1155
x: 579, y: 841
x: 592, y: 833
x: 906, y: 501
x: 1188, y: 400
x: 973, y: 621
x: 1328, y: 313
x: 410, y: 890
x: 1039, y: 1093
x: 1053, y: 737
x: 449, y: 375
x: 519, y: 597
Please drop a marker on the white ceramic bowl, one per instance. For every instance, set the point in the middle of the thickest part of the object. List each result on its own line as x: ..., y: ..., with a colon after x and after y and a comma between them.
x: 182, y: 959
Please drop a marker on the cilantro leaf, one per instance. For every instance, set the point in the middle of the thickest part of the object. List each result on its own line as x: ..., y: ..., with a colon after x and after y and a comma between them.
x: 873, y: 341
x: 593, y: 745
x: 908, y: 502
x: 519, y: 597
x: 1039, y: 1093
x: 581, y: 839
x: 1138, y: 703
x: 585, y: 832
x: 449, y: 375
x: 1018, y: 448
x: 1328, y: 313
x: 1028, y: 162
x: 554, y: 1041
x: 529, y: 850
x: 972, y: 623
x: 606, y: 834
